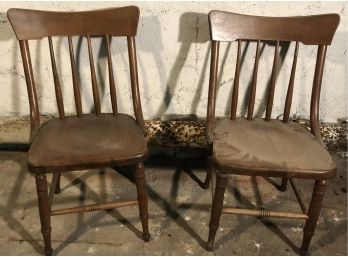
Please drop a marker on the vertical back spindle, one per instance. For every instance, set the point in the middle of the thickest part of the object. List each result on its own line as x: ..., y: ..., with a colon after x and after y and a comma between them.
x: 76, y: 84
x: 315, y: 99
x: 291, y: 86
x: 57, y: 87
x: 254, y: 81
x: 212, y: 90
x: 236, y: 84
x: 134, y: 82
x: 273, y: 81
x: 29, y: 77
x: 111, y: 77
x: 93, y: 77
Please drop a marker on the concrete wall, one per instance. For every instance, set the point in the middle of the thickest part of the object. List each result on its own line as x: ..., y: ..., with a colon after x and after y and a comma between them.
x: 173, y: 59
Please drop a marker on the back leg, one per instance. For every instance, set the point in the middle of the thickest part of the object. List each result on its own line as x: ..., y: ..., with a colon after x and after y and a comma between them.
x: 58, y: 189
x: 210, y: 170
x: 284, y: 185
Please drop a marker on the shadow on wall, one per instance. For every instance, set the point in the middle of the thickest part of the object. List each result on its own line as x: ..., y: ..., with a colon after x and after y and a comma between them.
x: 99, y: 64
x: 250, y: 46
x: 6, y: 35
x: 340, y: 38
x: 340, y: 61
x: 152, y: 44
x: 150, y: 40
x: 194, y: 30
x: 284, y: 47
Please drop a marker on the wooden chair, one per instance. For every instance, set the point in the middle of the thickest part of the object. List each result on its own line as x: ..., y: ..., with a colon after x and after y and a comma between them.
x: 268, y: 147
x: 83, y: 141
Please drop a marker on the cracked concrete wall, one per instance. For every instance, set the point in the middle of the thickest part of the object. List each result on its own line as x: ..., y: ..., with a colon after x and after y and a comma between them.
x: 173, y: 60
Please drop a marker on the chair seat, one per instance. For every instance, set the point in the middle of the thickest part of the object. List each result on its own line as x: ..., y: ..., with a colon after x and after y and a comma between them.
x: 270, y: 148
x: 89, y: 140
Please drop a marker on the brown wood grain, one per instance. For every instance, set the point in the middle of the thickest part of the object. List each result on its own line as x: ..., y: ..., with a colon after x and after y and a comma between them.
x: 76, y: 84
x: 37, y: 24
x: 57, y: 87
x: 236, y: 83
x: 252, y: 93
x: 111, y: 76
x: 226, y: 26
x: 289, y: 94
x: 273, y: 82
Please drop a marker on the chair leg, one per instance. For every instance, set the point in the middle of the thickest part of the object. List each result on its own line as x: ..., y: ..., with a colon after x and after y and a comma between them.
x: 209, y: 173
x: 284, y: 185
x: 58, y: 189
x: 313, y: 214
x: 221, y: 180
x: 142, y: 198
x: 44, y: 211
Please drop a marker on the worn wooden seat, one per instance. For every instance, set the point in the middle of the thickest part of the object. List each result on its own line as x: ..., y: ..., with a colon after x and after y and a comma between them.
x: 76, y: 142
x: 270, y: 148
x: 82, y: 141
x: 267, y: 147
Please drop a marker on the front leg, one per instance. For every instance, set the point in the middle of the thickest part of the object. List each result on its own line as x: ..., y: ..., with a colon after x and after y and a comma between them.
x: 44, y: 211
x: 313, y: 214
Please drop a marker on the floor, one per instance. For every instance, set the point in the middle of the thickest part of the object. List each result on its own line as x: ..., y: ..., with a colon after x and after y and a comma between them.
x: 179, y: 214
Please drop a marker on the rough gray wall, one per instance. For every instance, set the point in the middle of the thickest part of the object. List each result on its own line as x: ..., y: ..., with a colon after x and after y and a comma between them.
x: 173, y: 59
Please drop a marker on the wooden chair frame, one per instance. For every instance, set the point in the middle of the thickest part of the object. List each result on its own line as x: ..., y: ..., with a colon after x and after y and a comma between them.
x: 309, y: 30
x: 118, y: 22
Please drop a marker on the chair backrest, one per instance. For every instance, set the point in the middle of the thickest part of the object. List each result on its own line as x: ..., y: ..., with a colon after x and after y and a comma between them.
x: 309, y: 30
x: 36, y: 24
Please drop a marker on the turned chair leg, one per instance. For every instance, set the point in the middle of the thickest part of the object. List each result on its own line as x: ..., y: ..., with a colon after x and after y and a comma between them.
x: 284, y: 184
x: 313, y: 214
x: 209, y: 173
x: 221, y: 180
x: 44, y: 211
x: 142, y: 198
x: 58, y: 189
